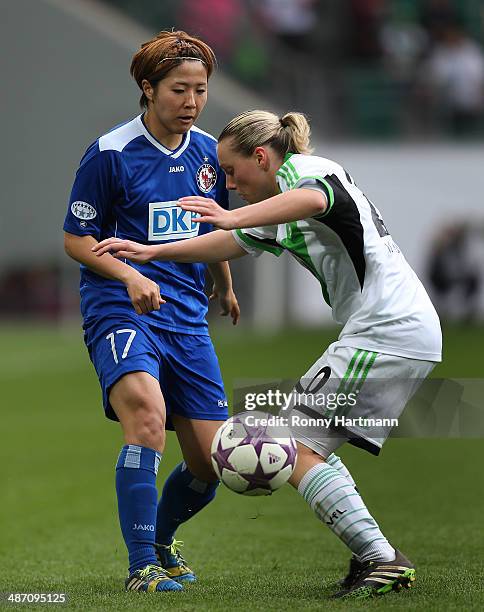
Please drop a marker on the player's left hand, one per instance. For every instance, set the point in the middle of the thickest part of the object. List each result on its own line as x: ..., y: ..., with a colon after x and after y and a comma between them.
x: 209, y: 211
x: 228, y: 303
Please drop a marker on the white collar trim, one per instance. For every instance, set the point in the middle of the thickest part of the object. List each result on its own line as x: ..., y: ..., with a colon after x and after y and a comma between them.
x: 174, y: 154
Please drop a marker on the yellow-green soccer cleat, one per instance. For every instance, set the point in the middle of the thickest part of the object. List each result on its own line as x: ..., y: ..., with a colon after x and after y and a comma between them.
x: 150, y: 579
x: 375, y: 578
x: 173, y: 563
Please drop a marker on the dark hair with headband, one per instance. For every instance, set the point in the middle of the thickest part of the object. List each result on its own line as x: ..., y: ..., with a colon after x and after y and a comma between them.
x: 166, y: 51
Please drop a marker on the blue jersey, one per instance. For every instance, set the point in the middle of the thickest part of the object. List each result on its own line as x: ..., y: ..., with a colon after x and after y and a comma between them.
x: 128, y: 186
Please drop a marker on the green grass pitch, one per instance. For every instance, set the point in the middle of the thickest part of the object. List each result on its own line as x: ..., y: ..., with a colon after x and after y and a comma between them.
x: 58, y: 522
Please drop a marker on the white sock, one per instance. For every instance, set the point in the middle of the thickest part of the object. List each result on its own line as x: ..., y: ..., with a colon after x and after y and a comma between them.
x: 336, y: 502
x: 335, y: 461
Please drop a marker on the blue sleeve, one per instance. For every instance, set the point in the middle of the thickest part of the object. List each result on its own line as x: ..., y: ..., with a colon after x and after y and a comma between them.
x: 96, y: 189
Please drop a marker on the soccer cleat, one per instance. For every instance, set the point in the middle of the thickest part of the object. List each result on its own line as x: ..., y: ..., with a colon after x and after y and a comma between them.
x: 379, y: 577
x: 354, y: 571
x: 173, y: 563
x: 150, y: 579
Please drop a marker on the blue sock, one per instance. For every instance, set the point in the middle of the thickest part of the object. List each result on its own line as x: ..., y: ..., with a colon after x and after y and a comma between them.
x: 136, y: 471
x: 182, y: 497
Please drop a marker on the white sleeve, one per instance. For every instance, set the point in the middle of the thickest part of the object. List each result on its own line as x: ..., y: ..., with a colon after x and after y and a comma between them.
x: 312, y: 183
x: 256, y: 240
x: 321, y: 185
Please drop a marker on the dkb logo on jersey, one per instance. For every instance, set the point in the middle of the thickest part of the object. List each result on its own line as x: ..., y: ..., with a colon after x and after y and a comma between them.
x: 167, y: 221
x: 206, y: 177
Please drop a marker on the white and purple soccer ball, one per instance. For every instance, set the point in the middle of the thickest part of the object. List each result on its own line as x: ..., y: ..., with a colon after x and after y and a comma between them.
x: 253, y: 456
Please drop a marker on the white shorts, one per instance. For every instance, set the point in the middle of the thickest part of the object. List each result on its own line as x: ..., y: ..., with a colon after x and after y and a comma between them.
x: 352, y: 395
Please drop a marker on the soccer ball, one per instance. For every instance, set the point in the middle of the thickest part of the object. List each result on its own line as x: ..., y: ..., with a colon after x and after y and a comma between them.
x: 251, y: 456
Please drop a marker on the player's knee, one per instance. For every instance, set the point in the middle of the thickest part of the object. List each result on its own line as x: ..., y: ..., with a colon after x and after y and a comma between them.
x: 304, y: 452
x: 145, y: 425
x: 150, y: 432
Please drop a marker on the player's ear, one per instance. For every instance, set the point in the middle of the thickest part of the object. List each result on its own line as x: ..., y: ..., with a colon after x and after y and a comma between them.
x: 147, y: 89
x: 261, y: 157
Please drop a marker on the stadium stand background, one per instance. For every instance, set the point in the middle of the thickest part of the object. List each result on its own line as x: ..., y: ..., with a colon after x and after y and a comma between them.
x: 357, y: 68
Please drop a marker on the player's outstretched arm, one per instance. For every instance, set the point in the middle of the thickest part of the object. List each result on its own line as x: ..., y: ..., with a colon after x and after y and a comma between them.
x: 211, y: 248
x: 282, y: 208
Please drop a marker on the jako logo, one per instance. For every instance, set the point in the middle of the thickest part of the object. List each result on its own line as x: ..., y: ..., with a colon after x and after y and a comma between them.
x: 176, y: 169
x: 139, y: 527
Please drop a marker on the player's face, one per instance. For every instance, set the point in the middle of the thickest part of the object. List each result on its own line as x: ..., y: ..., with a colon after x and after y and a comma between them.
x: 176, y: 101
x: 253, y: 177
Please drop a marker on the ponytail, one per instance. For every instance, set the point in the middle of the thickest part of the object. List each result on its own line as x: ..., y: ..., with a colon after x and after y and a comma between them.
x: 299, y: 133
x: 288, y: 134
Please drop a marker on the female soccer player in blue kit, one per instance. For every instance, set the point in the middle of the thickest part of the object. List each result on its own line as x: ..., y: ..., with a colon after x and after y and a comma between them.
x: 145, y: 326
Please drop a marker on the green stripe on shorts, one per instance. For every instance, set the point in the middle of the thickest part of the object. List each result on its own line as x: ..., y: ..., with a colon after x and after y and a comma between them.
x: 348, y: 371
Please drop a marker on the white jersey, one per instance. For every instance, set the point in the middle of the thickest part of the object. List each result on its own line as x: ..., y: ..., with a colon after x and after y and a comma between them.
x: 372, y: 290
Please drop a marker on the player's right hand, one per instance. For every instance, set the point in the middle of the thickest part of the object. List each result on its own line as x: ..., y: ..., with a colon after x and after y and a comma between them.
x: 144, y: 293
x: 124, y: 249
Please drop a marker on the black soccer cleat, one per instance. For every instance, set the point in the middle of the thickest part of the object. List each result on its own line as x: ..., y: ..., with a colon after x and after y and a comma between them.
x: 379, y: 577
x: 351, y: 577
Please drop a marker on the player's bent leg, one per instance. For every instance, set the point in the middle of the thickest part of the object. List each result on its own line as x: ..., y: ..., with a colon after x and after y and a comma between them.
x: 326, y: 485
x: 355, y: 564
x: 188, y: 489
x: 137, y: 400
x: 308, y: 458
x: 337, y: 503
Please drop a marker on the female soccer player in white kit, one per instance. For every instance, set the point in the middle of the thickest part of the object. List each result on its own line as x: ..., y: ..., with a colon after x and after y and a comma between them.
x: 312, y: 208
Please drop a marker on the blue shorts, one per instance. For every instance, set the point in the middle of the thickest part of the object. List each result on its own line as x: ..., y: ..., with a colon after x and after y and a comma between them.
x: 185, y: 365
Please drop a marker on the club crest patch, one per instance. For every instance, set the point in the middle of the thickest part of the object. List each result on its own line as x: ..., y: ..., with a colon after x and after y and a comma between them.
x: 206, y: 177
